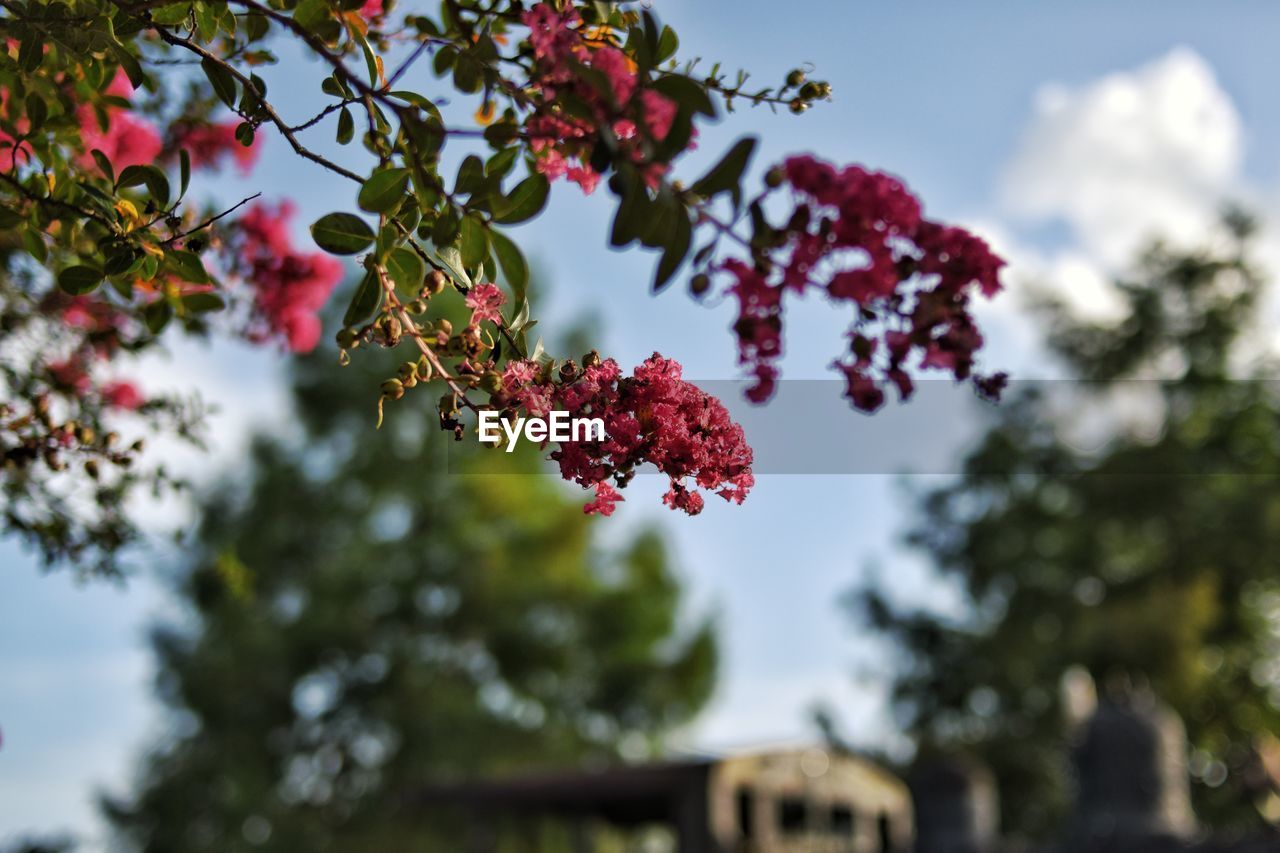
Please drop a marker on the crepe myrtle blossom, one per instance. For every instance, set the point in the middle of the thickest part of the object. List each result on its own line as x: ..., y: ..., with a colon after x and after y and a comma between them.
x: 563, y: 142
x: 860, y: 237
x: 653, y: 416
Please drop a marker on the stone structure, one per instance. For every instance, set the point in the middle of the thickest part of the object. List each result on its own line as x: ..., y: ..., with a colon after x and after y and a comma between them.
x: 810, y: 800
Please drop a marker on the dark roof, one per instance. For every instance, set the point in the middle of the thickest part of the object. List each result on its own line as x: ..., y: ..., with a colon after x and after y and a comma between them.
x: 621, y: 795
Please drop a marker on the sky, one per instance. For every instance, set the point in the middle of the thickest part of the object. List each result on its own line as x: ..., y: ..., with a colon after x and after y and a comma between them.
x: 1066, y: 133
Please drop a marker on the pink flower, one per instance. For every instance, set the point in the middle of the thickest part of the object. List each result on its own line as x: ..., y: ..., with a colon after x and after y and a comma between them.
x: 122, y: 395
x: 290, y: 287
x: 861, y: 236
x: 653, y: 417
x: 585, y: 177
x: 372, y: 9
x: 126, y: 139
x: 210, y: 146
x: 485, y: 300
x: 659, y: 113
x: 607, y: 497
x: 613, y: 63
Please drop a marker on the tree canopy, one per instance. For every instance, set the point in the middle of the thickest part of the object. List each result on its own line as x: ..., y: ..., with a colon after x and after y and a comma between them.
x: 352, y: 634
x: 1149, y: 562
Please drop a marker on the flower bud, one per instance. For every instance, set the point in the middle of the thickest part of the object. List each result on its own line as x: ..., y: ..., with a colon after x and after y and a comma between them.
x: 795, y: 78
x: 798, y: 105
x: 416, y: 307
x: 824, y: 90
x: 444, y: 327
x: 434, y: 283
x: 408, y: 370
x: 84, y: 435
x: 591, y: 359
x: 425, y: 370
x: 774, y: 177
x: 348, y: 338
x: 393, y: 389
x: 91, y: 468
x: 809, y: 91
x: 699, y: 284
x: 568, y: 370
x: 491, y: 383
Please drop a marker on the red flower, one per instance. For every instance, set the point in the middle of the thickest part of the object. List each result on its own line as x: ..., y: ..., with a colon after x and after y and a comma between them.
x: 122, y: 395
x: 607, y: 497
x: 861, y: 236
x: 126, y: 139
x: 211, y: 145
x: 290, y: 287
x: 653, y: 417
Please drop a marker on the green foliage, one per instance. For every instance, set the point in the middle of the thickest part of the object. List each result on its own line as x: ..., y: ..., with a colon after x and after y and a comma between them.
x: 1149, y: 562
x: 354, y: 633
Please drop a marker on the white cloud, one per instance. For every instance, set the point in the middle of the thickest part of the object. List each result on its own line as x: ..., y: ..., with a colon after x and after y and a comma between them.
x: 1133, y: 155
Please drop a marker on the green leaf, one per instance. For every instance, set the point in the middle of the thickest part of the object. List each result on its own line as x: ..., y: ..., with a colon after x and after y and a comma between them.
x: 500, y: 164
x: 686, y: 92
x: 132, y: 176
x: 630, y: 219
x: 342, y: 233
x: 184, y: 171
x: 79, y: 280
x: 157, y: 315
x: 452, y: 260
x: 186, y: 265
x: 31, y: 51
x: 104, y: 164
x: 365, y: 301
x: 470, y: 175
x: 312, y: 13
x: 129, y: 63
x: 384, y: 191
x: 171, y: 15
x: 668, y: 43
x: 474, y: 245
x: 467, y: 72
x: 726, y: 175
x: 158, y: 185
x: 37, y: 110
x: 675, y: 252
x: 244, y: 134
x: 33, y: 242
x: 370, y: 59
x: 222, y: 80
x: 406, y: 269
x: 525, y: 201
x: 200, y: 303
x: 512, y: 262
x: 346, y: 126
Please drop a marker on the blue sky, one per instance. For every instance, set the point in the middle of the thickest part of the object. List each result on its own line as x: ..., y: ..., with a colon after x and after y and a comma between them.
x: 1066, y: 132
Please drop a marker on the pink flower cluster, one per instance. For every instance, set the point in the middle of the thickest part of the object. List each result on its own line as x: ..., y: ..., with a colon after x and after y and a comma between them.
x: 563, y: 143
x: 860, y: 237
x: 653, y: 416
x: 126, y: 139
x: 485, y: 302
x: 211, y: 146
x: 290, y: 287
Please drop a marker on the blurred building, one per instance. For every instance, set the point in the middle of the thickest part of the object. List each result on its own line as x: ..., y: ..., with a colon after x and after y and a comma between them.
x: 1132, y: 796
x: 810, y: 800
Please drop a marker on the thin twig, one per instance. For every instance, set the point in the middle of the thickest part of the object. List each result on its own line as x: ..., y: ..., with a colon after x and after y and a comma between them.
x: 211, y: 220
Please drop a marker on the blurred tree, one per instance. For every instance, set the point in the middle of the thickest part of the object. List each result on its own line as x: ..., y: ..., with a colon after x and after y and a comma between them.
x: 355, y: 632
x: 1151, y: 562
